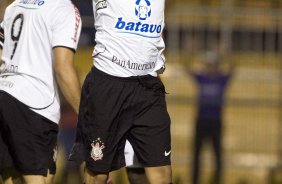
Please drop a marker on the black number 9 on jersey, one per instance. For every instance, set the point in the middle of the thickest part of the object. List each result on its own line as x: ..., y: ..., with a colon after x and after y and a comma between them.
x: 15, y: 35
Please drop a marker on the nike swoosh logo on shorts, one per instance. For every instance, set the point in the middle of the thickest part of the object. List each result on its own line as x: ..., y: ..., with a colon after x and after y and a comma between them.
x: 167, y: 153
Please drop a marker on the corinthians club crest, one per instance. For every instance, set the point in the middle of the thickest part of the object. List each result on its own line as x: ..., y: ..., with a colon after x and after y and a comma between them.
x: 97, y: 149
x: 143, y: 9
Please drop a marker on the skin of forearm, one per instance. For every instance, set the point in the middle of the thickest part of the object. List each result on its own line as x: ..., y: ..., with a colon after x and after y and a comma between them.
x: 66, y: 76
x: 70, y: 86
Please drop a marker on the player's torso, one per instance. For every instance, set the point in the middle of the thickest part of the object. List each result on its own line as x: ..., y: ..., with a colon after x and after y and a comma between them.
x: 140, y: 17
x: 130, y: 31
x: 26, y: 35
x: 26, y: 72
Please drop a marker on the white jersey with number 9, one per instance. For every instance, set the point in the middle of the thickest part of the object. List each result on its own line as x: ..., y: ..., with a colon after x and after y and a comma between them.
x: 31, y: 29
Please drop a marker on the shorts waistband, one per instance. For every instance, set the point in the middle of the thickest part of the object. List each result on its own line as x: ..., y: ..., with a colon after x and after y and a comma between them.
x: 132, y: 78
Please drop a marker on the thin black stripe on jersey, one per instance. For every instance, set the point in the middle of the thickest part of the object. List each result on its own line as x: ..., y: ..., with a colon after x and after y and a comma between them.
x: 1, y: 37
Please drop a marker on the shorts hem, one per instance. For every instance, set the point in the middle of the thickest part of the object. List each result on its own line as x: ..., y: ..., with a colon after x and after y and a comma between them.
x: 95, y: 170
x: 157, y: 165
x: 41, y: 172
x: 134, y: 166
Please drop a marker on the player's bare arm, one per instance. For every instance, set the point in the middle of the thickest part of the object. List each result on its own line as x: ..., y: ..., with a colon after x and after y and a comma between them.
x: 66, y: 76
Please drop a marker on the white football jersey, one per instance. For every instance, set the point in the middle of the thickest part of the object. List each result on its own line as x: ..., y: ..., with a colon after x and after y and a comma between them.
x: 130, y: 157
x: 129, y: 36
x: 32, y: 28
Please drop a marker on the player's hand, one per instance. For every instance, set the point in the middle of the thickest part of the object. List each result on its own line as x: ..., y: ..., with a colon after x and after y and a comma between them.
x: 110, y: 181
x: 161, y: 70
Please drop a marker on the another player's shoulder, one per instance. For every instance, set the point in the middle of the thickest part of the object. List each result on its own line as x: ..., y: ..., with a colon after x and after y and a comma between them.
x: 66, y: 7
x: 10, y: 6
x: 34, y: 5
x: 65, y: 4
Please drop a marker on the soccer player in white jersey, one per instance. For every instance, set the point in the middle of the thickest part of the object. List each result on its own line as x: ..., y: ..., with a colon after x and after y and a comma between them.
x: 38, y: 39
x: 122, y: 97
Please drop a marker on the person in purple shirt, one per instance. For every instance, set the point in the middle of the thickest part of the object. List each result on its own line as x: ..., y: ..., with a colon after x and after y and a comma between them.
x: 211, y: 82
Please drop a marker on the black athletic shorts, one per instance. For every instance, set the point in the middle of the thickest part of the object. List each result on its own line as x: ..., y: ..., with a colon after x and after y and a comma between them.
x: 114, y: 109
x: 27, y: 139
x: 5, y: 158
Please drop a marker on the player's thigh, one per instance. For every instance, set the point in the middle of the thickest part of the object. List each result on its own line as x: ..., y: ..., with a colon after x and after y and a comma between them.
x: 137, y: 175
x: 12, y: 181
x: 11, y: 176
x: 159, y: 175
x: 93, y: 177
x: 6, y: 162
x: 34, y: 179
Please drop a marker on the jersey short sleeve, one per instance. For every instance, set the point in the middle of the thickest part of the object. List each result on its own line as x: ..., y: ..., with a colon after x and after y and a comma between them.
x: 66, y: 26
